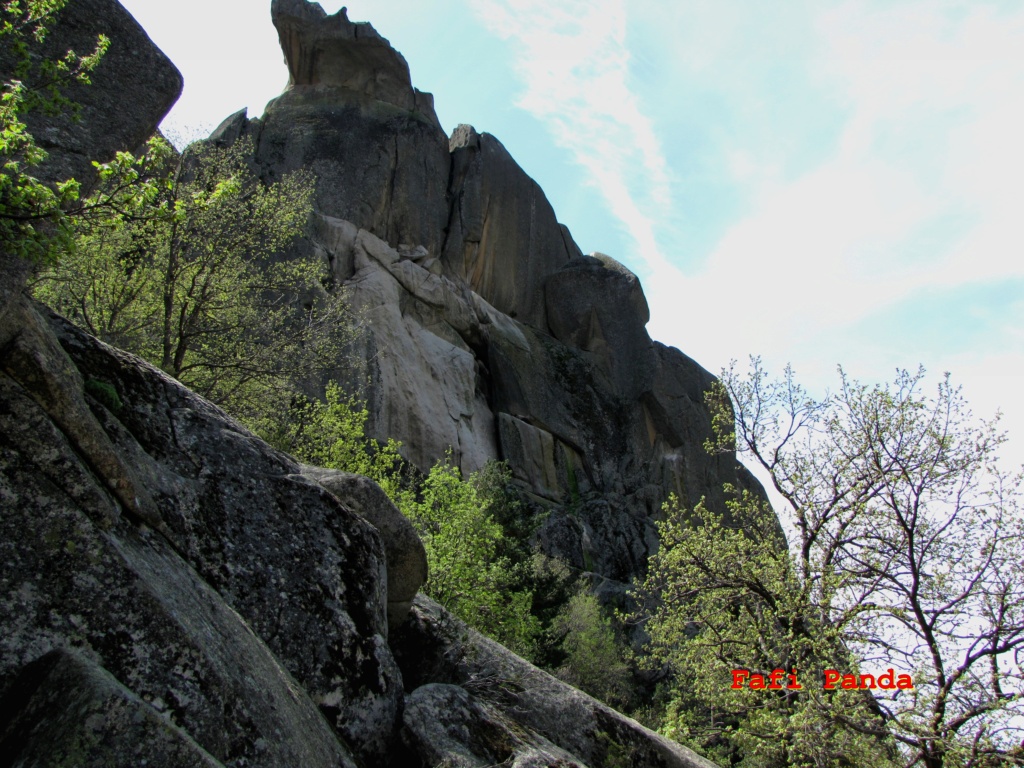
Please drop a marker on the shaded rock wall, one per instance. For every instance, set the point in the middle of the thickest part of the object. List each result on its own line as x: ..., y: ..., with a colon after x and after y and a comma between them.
x: 503, y: 239
x: 253, y: 605
x: 132, y: 88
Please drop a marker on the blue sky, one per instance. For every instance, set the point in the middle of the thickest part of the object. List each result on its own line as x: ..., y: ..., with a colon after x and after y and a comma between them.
x: 814, y: 182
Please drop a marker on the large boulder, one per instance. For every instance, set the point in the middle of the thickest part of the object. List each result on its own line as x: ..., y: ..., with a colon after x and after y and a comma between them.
x: 406, y: 557
x: 504, y: 708
x: 251, y: 610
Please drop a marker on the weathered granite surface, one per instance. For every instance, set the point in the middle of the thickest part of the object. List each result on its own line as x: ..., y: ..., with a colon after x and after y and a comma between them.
x: 488, y: 331
x: 172, y: 587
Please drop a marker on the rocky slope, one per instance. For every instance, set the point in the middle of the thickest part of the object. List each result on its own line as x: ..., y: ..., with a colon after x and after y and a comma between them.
x: 174, y: 589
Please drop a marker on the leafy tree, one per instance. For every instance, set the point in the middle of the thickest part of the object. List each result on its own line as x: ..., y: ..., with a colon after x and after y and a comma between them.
x: 904, y: 554
x: 332, y: 433
x: 593, y: 656
x: 467, y: 576
x: 725, y: 597
x: 37, y: 217
x: 193, y: 285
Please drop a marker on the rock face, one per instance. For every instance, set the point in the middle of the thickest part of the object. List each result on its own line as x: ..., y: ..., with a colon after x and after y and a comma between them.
x: 351, y: 115
x: 515, y: 713
x: 489, y: 332
x: 331, y: 51
x: 241, y: 564
x: 503, y: 238
x: 66, y: 710
x: 240, y: 614
x: 132, y: 89
x: 173, y: 588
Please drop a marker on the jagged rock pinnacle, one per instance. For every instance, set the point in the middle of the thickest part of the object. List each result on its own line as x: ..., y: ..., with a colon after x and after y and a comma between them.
x: 322, y: 50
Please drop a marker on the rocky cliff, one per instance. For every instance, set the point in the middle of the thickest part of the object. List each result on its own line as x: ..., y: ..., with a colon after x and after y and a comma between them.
x: 174, y: 590
x: 488, y: 330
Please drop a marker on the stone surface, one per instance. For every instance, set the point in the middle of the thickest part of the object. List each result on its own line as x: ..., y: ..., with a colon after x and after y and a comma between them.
x: 65, y: 710
x: 437, y: 652
x: 446, y: 725
x: 256, y: 618
x: 595, y: 412
x: 597, y: 305
x: 503, y: 238
x: 422, y: 382
x: 404, y: 552
x: 132, y: 89
x: 351, y: 116
x: 382, y: 168
x: 331, y: 51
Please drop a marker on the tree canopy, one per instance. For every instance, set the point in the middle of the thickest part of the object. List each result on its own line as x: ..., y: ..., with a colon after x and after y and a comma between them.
x: 903, y: 554
x: 195, y: 283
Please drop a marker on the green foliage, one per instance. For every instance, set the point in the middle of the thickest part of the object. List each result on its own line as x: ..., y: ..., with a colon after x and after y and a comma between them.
x: 332, y: 434
x: 725, y: 596
x: 593, y: 657
x: 616, y: 755
x: 467, y: 575
x: 903, y: 553
x: 455, y: 517
x: 35, y: 216
x: 190, y: 282
x: 106, y: 394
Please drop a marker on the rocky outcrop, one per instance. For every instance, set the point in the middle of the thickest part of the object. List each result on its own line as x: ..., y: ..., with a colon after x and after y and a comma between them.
x: 131, y: 90
x: 508, y: 711
x: 596, y: 305
x: 247, y: 624
x: 503, y: 238
x: 331, y: 51
x: 405, y: 557
x: 423, y: 376
x: 352, y: 117
x: 252, y: 613
x: 488, y: 332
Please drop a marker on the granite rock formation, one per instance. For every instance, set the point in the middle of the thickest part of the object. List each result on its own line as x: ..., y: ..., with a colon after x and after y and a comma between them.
x: 171, y: 587
x: 117, y: 110
x: 489, y: 331
x: 522, y: 715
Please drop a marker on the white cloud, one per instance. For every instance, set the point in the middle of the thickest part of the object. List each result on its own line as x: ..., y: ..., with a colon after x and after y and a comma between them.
x: 934, y: 113
x: 573, y: 62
